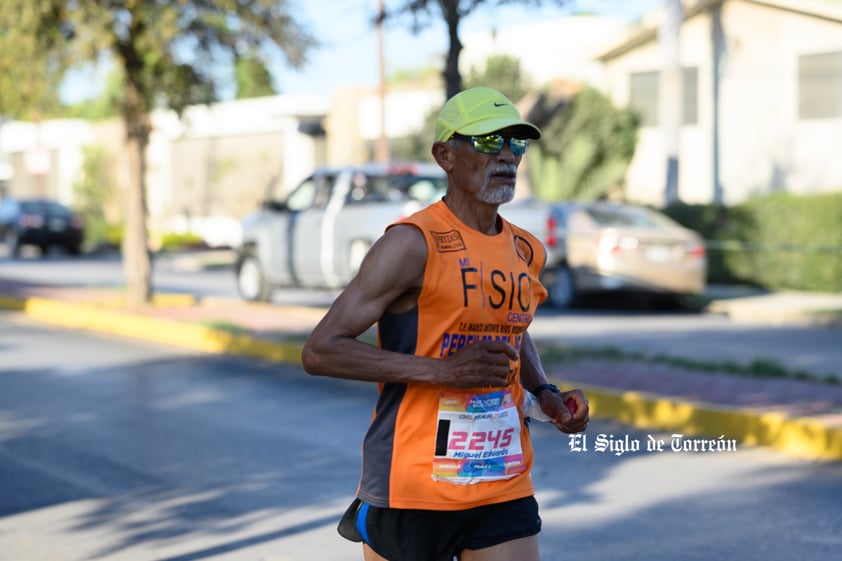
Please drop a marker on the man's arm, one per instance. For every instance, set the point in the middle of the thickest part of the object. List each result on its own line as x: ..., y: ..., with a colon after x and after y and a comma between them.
x: 390, y: 278
x: 532, y: 375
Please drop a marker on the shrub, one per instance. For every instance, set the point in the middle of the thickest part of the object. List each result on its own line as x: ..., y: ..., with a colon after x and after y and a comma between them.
x: 181, y: 240
x: 778, y: 241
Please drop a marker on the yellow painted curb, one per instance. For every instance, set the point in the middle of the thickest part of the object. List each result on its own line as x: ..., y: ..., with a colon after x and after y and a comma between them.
x: 170, y: 332
x: 801, y: 437
x: 169, y: 300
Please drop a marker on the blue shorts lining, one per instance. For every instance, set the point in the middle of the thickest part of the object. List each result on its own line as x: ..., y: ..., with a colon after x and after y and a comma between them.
x: 362, y: 513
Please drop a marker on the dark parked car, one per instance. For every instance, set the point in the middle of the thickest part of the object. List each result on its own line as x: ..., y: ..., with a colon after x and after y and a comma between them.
x: 40, y: 222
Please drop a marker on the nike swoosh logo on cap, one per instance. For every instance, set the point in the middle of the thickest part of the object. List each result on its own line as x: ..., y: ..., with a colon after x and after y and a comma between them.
x: 498, y: 104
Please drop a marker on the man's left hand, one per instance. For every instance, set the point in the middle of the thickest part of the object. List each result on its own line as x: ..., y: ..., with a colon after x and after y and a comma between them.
x: 568, y: 411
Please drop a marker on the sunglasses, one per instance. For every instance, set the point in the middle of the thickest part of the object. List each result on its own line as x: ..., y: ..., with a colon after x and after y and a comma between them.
x: 494, y: 143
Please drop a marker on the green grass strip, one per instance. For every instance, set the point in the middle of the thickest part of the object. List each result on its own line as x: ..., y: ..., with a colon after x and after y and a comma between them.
x: 758, y: 368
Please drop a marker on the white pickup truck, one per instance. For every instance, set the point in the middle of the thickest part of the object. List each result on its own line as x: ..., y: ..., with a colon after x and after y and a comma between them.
x: 317, y: 237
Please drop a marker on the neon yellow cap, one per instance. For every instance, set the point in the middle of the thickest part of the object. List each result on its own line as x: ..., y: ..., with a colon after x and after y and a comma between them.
x: 478, y: 111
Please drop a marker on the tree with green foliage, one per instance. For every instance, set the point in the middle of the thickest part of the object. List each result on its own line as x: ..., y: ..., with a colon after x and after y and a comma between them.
x: 585, y: 149
x: 253, y: 78
x: 32, y: 59
x: 503, y: 73
x: 586, y: 143
x: 94, y: 191
x: 165, y: 52
x: 105, y: 105
x: 453, y: 12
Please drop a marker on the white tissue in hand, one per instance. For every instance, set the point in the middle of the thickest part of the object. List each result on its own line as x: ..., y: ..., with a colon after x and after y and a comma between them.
x: 532, y: 408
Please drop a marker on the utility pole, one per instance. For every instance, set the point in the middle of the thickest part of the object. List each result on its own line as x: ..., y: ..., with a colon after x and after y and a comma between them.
x: 670, y: 93
x: 718, y: 42
x: 382, y: 150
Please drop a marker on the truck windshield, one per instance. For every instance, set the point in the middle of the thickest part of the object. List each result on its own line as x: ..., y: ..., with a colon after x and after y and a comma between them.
x: 380, y: 188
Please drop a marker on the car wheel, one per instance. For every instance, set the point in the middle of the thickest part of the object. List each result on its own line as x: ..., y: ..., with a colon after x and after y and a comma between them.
x: 12, y: 242
x: 251, y: 283
x: 561, y: 288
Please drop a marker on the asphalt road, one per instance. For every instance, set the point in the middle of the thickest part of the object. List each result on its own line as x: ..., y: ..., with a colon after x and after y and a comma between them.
x: 118, y: 450
x: 621, y: 325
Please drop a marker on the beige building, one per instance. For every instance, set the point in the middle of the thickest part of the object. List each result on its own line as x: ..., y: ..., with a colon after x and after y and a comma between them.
x: 218, y: 162
x: 761, y: 97
x: 203, y: 172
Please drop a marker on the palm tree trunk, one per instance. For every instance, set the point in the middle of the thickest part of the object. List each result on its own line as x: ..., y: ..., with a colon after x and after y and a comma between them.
x: 137, y: 262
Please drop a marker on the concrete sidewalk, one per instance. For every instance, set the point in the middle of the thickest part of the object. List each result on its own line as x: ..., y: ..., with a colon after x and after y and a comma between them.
x: 776, y: 308
x: 799, y: 417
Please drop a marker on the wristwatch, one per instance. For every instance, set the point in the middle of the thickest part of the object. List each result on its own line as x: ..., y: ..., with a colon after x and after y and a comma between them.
x: 550, y: 387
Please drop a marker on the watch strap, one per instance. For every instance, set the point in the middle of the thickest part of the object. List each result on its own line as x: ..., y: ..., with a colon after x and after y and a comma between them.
x: 538, y: 389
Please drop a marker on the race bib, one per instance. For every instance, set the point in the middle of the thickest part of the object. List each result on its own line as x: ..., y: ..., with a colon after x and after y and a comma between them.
x: 478, y: 438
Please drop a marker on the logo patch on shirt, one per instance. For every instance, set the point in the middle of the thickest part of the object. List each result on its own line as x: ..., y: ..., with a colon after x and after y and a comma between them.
x: 448, y: 241
x: 524, y: 250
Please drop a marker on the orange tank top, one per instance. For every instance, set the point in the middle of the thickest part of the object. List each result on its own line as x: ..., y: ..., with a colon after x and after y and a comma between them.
x: 439, y: 448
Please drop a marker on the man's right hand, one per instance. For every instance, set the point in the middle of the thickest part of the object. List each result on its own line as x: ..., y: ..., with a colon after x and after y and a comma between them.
x: 480, y: 364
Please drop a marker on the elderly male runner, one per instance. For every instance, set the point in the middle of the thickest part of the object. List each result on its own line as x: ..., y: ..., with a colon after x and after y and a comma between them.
x: 452, y: 289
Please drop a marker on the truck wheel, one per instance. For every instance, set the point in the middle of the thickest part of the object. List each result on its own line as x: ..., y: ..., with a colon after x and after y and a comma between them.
x: 251, y: 283
x: 562, y: 291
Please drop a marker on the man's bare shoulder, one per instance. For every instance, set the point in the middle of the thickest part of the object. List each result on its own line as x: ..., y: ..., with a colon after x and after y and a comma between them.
x: 399, y: 256
x: 393, y: 271
x: 406, y: 236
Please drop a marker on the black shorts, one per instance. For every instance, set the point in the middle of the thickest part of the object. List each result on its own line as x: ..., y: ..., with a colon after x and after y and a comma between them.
x: 438, y: 535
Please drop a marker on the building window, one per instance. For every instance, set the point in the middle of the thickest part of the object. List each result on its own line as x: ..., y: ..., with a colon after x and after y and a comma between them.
x: 643, y: 97
x: 820, y: 86
x: 690, y: 93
